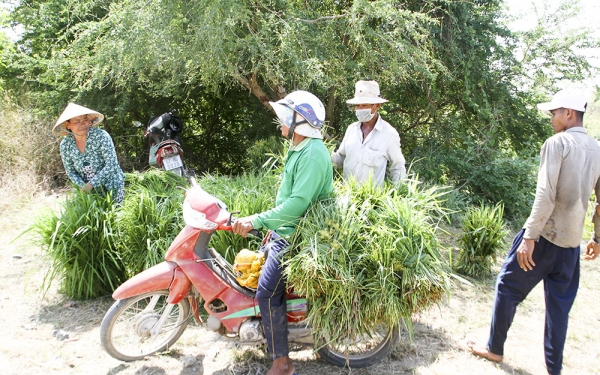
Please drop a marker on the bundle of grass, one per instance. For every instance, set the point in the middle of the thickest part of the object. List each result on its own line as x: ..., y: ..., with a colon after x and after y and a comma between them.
x: 482, y: 237
x: 150, y: 217
x: 367, y: 257
x: 80, y: 242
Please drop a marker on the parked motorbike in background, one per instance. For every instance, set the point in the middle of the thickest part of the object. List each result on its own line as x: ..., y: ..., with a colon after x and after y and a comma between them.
x: 165, y: 150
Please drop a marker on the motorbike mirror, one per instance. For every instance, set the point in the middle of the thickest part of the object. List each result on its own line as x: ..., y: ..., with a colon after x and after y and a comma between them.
x: 231, y: 220
x: 137, y: 124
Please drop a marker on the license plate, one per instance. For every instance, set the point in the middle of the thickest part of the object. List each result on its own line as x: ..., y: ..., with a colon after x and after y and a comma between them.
x: 172, y: 162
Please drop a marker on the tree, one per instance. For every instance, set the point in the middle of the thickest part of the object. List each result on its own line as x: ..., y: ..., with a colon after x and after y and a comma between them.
x: 458, y: 96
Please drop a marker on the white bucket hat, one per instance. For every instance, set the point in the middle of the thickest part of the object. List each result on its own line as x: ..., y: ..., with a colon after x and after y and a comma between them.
x: 565, y: 99
x: 74, y: 110
x: 366, y: 92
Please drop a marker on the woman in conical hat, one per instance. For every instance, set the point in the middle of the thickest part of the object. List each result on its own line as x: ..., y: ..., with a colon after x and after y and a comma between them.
x: 88, y: 153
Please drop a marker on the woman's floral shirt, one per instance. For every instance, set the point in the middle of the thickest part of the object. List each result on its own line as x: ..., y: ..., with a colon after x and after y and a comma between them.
x: 98, y: 165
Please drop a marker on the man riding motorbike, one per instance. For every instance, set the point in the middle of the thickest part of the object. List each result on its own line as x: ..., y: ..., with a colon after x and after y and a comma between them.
x: 307, y: 177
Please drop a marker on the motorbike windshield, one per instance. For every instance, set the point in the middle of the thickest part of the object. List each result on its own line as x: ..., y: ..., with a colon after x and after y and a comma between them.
x: 284, y: 113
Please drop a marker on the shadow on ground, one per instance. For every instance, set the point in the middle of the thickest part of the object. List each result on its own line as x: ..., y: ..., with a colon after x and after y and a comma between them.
x: 73, y: 316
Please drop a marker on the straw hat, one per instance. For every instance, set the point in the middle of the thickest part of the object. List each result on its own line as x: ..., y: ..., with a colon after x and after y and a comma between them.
x: 74, y: 110
x: 366, y: 92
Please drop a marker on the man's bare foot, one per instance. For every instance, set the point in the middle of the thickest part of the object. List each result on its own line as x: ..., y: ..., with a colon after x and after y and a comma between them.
x: 483, y: 352
x: 281, y: 366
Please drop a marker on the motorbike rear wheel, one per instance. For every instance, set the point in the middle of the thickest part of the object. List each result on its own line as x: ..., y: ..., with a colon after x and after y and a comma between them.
x: 126, y: 330
x: 367, y: 350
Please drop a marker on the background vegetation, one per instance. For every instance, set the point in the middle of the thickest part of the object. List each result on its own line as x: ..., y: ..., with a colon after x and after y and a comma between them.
x: 460, y: 99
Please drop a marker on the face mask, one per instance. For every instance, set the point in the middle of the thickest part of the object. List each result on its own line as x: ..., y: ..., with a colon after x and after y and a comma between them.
x: 364, y: 115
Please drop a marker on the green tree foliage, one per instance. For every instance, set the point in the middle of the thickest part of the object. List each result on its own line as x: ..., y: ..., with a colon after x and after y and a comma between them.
x: 457, y: 92
x: 551, y: 49
x: 6, y: 50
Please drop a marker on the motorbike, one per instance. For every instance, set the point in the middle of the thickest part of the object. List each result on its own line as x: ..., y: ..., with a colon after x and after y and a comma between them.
x: 153, y: 308
x: 165, y: 150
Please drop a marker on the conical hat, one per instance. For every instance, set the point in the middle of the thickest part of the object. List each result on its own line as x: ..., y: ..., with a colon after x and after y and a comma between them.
x: 74, y: 110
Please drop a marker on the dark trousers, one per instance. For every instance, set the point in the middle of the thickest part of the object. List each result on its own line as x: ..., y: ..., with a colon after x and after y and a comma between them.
x: 271, y: 295
x: 558, y: 267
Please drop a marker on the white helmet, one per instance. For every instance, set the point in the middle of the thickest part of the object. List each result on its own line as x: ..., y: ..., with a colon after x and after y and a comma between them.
x: 305, y: 104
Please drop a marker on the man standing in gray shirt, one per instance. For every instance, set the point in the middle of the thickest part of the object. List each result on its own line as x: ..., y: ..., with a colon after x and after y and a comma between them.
x: 547, y: 248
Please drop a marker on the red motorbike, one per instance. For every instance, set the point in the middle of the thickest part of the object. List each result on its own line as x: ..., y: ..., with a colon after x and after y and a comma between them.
x: 153, y: 308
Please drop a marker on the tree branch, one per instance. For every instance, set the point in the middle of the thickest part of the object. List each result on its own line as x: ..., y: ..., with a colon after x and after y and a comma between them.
x: 324, y: 18
x: 330, y: 107
x: 252, y: 85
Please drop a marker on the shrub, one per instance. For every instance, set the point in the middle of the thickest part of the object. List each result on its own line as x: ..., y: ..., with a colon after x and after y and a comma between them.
x: 484, y: 175
x: 482, y: 236
x: 263, y: 152
x: 30, y: 157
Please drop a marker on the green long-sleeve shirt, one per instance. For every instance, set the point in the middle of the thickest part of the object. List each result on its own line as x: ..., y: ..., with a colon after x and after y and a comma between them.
x: 307, y: 177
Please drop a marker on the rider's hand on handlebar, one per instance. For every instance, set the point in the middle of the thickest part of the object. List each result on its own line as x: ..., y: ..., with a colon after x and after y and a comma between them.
x: 242, y: 226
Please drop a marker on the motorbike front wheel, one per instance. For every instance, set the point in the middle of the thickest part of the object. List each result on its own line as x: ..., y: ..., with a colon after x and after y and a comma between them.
x: 136, y: 327
x: 364, y: 351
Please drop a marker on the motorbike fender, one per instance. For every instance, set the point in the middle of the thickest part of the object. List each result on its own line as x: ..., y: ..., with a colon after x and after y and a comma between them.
x: 165, y: 275
x: 179, y: 287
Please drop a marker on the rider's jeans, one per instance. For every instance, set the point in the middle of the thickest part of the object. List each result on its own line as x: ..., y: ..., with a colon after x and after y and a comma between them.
x: 271, y: 298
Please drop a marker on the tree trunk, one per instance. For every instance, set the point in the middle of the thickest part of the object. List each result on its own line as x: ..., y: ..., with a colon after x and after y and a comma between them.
x: 251, y: 84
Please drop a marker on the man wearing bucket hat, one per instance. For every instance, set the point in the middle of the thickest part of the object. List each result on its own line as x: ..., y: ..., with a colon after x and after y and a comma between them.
x: 370, y: 145
x: 307, y: 177
x: 88, y: 153
x: 548, y: 246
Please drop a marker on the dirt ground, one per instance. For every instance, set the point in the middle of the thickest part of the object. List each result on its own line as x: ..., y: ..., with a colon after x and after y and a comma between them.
x: 30, y: 324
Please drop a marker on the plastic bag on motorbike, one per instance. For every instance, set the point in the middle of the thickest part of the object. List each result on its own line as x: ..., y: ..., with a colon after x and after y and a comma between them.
x: 248, y: 266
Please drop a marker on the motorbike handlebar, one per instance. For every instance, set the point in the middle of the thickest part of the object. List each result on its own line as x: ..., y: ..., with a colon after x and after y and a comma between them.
x: 252, y: 232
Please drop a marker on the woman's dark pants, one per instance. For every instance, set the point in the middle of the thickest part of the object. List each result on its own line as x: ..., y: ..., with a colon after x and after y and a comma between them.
x: 558, y: 267
x: 271, y: 294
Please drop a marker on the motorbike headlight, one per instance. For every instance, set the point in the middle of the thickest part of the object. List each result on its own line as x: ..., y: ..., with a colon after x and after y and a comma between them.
x: 195, y: 218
